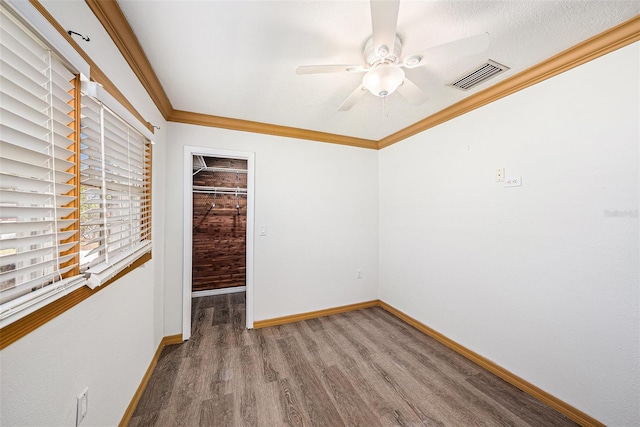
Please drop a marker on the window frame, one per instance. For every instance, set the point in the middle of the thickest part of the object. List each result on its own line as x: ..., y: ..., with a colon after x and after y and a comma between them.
x: 58, y: 303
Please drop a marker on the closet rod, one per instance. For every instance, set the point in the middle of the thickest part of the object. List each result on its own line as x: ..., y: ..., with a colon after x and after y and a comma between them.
x: 219, y: 190
x: 233, y: 193
x: 214, y: 169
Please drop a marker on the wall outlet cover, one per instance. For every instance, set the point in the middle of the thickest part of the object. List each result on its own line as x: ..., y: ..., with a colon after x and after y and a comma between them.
x: 513, y: 181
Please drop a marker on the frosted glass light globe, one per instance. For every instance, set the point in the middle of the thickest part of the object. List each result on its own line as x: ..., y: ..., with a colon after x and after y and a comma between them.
x: 383, y: 80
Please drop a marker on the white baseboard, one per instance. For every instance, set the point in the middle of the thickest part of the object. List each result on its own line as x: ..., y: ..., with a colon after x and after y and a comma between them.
x: 197, y: 294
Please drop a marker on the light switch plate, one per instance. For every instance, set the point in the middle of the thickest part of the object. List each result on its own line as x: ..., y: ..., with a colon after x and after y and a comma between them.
x: 83, y: 405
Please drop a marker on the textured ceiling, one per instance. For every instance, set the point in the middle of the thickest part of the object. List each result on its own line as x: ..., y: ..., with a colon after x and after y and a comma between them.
x: 237, y: 59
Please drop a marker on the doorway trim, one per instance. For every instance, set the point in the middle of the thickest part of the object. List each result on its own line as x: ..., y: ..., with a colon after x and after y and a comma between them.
x: 189, y: 152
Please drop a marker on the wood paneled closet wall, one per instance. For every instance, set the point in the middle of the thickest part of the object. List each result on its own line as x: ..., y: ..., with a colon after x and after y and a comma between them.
x: 219, y: 223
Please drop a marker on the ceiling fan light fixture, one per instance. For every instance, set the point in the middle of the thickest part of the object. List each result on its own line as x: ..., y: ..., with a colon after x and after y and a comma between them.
x: 383, y: 80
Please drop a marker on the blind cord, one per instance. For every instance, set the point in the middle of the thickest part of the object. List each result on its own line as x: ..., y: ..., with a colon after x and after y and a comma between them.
x: 130, y: 207
x: 104, y: 186
x: 56, y: 266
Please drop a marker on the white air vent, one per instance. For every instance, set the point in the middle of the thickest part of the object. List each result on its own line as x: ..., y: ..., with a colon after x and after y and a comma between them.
x: 479, y: 75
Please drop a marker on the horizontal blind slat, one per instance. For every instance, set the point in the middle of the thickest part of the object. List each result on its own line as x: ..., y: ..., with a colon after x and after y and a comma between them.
x: 26, y: 198
x: 38, y: 239
x: 26, y: 256
x: 29, y: 152
x: 19, y: 227
x: 16, y: 33
x: 33, y: 55
x: 19, y: 91
x: 42, y: 284
x: 34, y: 212
x: 23, y: 115
x: 29, y: 80
x: 16, y: 167
x: 17, y: 137
x: 15, y: 182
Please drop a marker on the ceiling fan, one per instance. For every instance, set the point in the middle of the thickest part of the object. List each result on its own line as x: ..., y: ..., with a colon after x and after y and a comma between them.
x: 383, y: 72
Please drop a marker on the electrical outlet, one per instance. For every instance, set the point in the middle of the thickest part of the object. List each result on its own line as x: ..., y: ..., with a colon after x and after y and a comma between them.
x: 513, y: 181
x: 500, y: 175
x: 83, y: 405
x: 359, y: 273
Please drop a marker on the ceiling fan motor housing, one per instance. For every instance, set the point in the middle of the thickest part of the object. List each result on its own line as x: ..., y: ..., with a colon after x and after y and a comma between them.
x: 372, y: 57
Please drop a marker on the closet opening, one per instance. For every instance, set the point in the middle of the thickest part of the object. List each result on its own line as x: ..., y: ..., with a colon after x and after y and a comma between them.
x: 219, y: 227
x: 218, y: 232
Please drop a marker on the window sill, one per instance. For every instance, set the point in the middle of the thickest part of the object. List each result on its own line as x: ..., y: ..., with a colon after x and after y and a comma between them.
x: 21, y: 327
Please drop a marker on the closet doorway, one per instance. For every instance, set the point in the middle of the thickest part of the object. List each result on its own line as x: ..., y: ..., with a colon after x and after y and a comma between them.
x: 218, y: 233
x: 219, y: 226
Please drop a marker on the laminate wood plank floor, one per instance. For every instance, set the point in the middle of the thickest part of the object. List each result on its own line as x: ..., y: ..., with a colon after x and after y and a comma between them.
x: 362, y: 368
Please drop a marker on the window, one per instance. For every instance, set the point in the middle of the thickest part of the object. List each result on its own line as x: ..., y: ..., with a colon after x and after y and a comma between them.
x: 115, y: 199
x: 38, y: 207
x: 74, y: 180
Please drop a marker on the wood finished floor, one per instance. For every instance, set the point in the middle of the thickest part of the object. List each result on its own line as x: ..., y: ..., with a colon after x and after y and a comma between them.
x: 363, y: 368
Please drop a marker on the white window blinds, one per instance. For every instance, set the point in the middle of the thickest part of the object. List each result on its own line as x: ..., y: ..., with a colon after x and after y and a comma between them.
x: 75, y: 186
x: 38, y: 207
x: 115, y: 193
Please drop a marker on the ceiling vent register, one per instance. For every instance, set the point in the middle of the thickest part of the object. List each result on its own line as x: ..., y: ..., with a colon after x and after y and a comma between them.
x: 479, y: 75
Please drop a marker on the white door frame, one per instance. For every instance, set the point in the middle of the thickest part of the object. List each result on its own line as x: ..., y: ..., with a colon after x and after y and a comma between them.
x: 189, y: 152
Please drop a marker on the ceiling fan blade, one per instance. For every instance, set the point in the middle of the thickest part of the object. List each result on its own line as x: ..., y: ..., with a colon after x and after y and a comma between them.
x: 352, y: 99
x: 411, y: 92
x: 384, y: 20
x: 458, y: 48
x: 324, y: 69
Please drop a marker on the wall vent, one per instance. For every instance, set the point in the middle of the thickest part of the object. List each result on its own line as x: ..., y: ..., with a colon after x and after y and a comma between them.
x: 478, y: 75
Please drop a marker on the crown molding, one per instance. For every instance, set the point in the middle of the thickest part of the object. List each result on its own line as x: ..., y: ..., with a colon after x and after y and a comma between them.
x: 97, y: 74
x: 187, y: 117
x: 110, y: 15
x: 619, y: 36
x: 115, y: 23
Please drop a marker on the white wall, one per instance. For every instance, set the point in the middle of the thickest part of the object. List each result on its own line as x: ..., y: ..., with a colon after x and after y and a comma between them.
x: 319, y: 203
x: 541, y: 279
x: 107, y: 341
x: 104, y: 343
